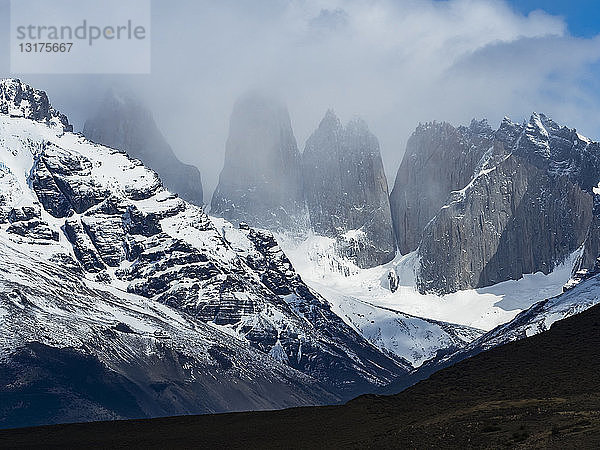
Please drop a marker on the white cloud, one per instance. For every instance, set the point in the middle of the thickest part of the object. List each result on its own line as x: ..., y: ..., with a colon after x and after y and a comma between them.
x: 393, y: 62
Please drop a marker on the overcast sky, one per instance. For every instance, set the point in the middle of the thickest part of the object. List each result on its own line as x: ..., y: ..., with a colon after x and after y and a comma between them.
x: 394, y: 63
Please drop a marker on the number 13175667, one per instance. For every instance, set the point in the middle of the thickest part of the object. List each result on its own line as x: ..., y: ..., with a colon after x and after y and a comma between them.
x: 48, y: 47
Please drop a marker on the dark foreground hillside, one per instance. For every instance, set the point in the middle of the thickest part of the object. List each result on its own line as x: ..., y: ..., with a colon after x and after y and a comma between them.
x: 543, y: 391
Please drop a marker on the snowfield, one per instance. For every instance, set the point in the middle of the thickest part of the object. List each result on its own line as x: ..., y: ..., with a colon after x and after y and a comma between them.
x: 407, y: 322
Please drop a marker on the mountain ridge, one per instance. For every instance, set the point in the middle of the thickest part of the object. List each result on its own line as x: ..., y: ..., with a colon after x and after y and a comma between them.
x: 527, y: 196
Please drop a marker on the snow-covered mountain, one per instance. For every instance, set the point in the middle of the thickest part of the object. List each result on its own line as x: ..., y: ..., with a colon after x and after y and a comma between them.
x: 538, y: 318
x: 384, y: 304
x: 542, y: 315
x: 134, y: 261
x: 72, y: 349
x: 578, y: 296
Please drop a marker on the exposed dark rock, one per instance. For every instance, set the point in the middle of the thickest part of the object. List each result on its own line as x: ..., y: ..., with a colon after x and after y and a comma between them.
x: 504, y: 203
x: 346, y: 191
x: 24, y: 213
x: 107, y: 234
x: 21, y: 100
x: 26, y: 221
x: 48, y: 193
x: 34, y: 229
x: 123, y: 328
x: 83, y: 247
x: 591, y: 250
x: 138, y: 222
x: 124, y: 122
x: 393, y: 280
x: 261, y: 180
x: 438, y: 159
x: 63, y: 177
x: 513, y: 220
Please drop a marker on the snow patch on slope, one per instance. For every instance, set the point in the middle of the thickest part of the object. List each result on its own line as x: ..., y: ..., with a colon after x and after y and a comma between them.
x: 542, y: 315
x: 483, y: 308
x: 413, y: 338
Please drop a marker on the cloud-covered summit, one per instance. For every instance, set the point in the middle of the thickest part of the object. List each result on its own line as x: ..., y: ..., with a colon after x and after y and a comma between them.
x: 394, y: 63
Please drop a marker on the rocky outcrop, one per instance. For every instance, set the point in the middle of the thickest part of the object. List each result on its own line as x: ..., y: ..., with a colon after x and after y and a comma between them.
x: 529, y: 205
x: 261, y: 180
x: 439, y: 158
x: 26, y: 222
x: 514, y: 219
x: 18, y: 99
x: 346, y: 191
x: 277, y: 273
x: 122, y: 121
x: 588, y: 261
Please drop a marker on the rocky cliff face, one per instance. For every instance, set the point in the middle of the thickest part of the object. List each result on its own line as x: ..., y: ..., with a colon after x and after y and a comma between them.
x: 438, y: 159
x: 123, y: 122
x: 514, y: 219
x: 527, y: 205
x: 260, y: 183
x: 18, y: 99
x: 208, y: 296
x: 71, y: 351
x: 346, y: 191
x: 588, y: 261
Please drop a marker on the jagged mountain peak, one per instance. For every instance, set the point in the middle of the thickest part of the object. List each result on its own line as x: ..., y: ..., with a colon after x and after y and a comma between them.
x: 121, y: 97
x: 480, y: 127
x: 432, y: 125
x: 445, y: 201
x: 18, y: 99
x: 264, y: 118
x: 330, y: 114
x: 354, y: 136
x: 543, y: 120
x: 540, y: 126
x: 357, y: 125
x: 547, y: 127
x: 261, y: 180
x: 476, y: 127
x: 553, y: 147
x: 346, y: 190
x: 508, y: 132
x: 261, y: 104
x: 330, y: 121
